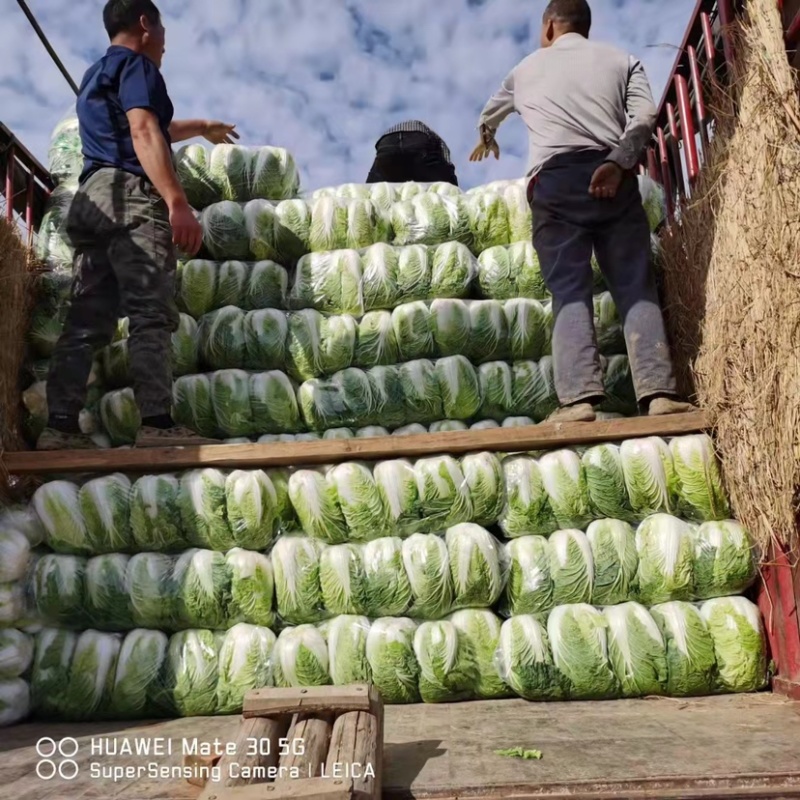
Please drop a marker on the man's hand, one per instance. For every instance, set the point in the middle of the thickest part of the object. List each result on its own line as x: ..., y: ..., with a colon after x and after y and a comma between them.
x: 606, y: 181
x: 187, y: 234
x: 220, y: 132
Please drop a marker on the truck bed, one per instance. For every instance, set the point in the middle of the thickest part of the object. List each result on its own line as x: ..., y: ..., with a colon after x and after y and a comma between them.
x: 741, y: 746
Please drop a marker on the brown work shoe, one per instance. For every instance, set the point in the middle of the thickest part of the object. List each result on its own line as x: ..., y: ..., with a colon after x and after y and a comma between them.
x: 177, y: 436
x: 51, y: 439
x: 661, y: 406
x: 580, y: 412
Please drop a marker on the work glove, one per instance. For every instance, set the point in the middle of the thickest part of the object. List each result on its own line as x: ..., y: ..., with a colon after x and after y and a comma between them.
x: 486, y: 145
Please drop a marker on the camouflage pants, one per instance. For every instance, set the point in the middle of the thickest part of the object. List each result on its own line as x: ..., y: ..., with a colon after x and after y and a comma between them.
x: 124, y: 266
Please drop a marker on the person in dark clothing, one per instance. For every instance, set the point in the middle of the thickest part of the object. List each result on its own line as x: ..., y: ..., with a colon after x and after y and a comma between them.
x: 411, y: 151
x: 126, y: 221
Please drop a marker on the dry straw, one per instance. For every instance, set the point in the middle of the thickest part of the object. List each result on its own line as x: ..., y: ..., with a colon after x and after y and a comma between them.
x: 732, y: 282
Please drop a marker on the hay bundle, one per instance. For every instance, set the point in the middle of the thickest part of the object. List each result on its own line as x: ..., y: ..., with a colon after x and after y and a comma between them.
x: 732, y: 282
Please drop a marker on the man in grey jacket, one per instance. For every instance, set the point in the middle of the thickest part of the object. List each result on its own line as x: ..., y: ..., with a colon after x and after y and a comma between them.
x: 589, y: 112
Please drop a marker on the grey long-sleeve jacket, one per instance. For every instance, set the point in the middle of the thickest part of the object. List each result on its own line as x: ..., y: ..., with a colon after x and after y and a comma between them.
x: 577, y: 95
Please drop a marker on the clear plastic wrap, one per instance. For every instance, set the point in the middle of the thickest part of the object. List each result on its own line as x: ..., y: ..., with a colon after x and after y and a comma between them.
x: 16, y: 653
x: 53, y: 244
x: 509, y: 272
x: 431, y: 218
x: 65, y: 154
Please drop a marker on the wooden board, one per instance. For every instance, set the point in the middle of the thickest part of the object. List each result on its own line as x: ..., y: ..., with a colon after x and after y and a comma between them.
x: 301, y: 789
x: 356, y: 741
x: 545, y: 436
x: 310, y: 700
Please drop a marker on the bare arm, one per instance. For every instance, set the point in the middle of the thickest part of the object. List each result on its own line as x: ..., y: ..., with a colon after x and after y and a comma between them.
x: 216, y: 132
x: 155, y: 156
x: 641, y: 119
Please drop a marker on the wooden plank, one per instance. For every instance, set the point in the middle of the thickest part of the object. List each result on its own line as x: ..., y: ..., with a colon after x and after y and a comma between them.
x: 310, y: 700
x: 356, y: 750
x: 301, y: 789
x: 200, y: 766
x: 257, y: 748
x: 309, y: 740
x: 545, y: 436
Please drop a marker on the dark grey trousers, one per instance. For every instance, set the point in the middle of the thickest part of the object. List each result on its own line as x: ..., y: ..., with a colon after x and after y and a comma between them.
x: 568, y: 224
x: 125, y: 265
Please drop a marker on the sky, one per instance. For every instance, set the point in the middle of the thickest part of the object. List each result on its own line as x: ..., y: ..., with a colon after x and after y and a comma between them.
x: 324, y: 78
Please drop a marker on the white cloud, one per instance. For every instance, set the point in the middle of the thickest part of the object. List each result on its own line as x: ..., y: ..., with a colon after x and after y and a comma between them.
x: 323, y: 78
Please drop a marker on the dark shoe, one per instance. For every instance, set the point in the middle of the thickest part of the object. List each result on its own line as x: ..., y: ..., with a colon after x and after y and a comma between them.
x: 662, y: 406
x: 52, y: 439
x: 580, y: 412
x: 177, y: 436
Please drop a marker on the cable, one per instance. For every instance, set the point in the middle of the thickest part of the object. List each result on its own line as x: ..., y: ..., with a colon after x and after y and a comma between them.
x: 40, y: 33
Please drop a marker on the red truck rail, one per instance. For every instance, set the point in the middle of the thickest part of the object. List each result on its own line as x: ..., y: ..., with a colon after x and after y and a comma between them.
x: 685, y: 125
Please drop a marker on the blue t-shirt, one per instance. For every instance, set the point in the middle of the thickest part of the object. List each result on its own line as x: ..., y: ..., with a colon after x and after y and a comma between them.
x: 119, y: 82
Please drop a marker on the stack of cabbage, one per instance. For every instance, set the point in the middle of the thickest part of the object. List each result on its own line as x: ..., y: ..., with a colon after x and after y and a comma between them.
x: 173, y: 595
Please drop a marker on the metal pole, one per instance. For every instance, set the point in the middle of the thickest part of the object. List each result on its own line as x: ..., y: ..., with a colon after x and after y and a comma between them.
x: 47, y: 46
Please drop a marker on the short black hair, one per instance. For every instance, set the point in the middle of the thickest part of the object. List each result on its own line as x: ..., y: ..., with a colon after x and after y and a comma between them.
x: 575, y: 14
x: 124, y: 15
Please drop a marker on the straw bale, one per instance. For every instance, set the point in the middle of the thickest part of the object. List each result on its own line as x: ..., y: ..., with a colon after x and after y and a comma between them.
x: 732, y: 282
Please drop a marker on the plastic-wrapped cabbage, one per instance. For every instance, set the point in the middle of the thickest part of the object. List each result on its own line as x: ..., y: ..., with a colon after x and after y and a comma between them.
x: 380, y: 289
x: 198, y: 287
x: 304, y: 344
x: 65, y: 153
x: 192, y: 405
x: 422, y: 391
x: 387, y: 590
x: 229, y: 165
x: 267, y: 286
x: 474, y: 556
x: 489, y: 331
x: 376, y: 342
x: 203, y: 582
x: 507, y: 272
x: 605, y: 481
x: 230, y: 397
x: 607, y: 322
x: 452, y: 270
x: 579, y: 640
x: 274, y: 405
x: 488, y: 220
x: 139, y: 666
x: 564, y: 481
x: 192, y: 165
x: 59, y: 589
x: 393, y: 664
x: 725, y: 561
x: 58, y: 507
x: 388, y: 399
x: 571, y: 567
x: 15, y: 702
x: 413, y: 331
x: 13, y: 609
x: 397, y: 485
x: 252, y: 509
x: 520, y: 222
x: 300, y: 658
x: 448, y: 665
x: 534, y: 388
x: 225, y: 231
x: 444, y: 493
x: 701, y: 494
x: 251, y: 588
x: 91, y: 675
x: 527, y: 510
x: 232, y: 279
x: 189, y: 680
x: 527, y: 328
x: 105, y: 506
x: 427, y: 565
x: 666, y: 560
x: 483, y: 473
x: 221, y: 338
x: 107, y: 604
x: 153, y: 591
x: 329, y: 282
x: 637, y: 650
x: 272, y: 174
x: 329, y: 223
x: 155, y: 514
x: 51, y: 668
x: 347, y: 650
x: 691, y: 663
x: 202, y: 501
x: 480, y: 631
x: 53, y: 248
x: 245, y: 658
x: 525, y: 662
x: 529, y: 585
x: 740, y: 647
x: 14, y: 554
x: 360, y: 500
x: 496, y: 390
x: 296, y: 566
x: 616, y: 562
x: 451, y: 326
x: 23, y: 520
x: 649, y: 476
x: 430, y: 218
x: 414, y: 429
x: 447, y: 425
x: 342, y: 579
x: 618, y: 386
x: 414, y: 273
x: 371, y: 431
x: 654, y: 201
x: 459, y: 387
x: 120, y: 416
x: 316, y: 502
x: 16, y: 653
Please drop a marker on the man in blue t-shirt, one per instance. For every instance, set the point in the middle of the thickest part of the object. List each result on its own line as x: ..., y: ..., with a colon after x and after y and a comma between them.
x: 126, y: 221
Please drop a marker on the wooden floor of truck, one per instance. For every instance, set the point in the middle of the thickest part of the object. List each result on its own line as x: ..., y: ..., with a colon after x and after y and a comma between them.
x: 742, y: 747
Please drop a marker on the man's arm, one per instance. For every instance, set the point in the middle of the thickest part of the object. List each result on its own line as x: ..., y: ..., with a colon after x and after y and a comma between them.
x: 642, y: 115
x: 214, y: 131
x: 156, y: 159
x: 500, y: 105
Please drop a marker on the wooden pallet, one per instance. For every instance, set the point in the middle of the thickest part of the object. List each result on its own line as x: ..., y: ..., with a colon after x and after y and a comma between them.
x: 545, y: 436
x: 318, y: 743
